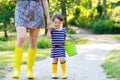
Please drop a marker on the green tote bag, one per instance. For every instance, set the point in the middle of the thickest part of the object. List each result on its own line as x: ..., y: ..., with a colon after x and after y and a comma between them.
x: 70, y: 48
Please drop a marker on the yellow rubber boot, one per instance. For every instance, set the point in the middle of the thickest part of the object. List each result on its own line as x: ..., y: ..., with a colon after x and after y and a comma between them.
x: 30, y: 63
x: 17, y: 62
x: 54, y: 71
x: 64, y: 73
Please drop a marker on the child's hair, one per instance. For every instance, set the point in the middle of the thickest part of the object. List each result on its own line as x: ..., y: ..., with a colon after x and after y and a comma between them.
x: 58, y: 16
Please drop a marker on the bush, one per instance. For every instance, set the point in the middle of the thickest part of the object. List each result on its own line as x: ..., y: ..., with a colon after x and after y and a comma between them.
x: 115, y: 15
x: 102, y: 26
x: 9, y: 44
x: 115, y: 30
x: 44, y: 42
x: 72, y: 21
x: 70, y: 30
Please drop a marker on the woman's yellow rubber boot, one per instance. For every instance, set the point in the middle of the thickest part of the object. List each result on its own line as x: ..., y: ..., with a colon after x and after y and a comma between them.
x: 17, y: 62
x: 54, y: 71
x: 30, y: 63
x: 64, y: 73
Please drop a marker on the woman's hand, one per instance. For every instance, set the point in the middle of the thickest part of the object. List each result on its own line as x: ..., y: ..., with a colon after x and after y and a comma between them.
x: 49, y: 33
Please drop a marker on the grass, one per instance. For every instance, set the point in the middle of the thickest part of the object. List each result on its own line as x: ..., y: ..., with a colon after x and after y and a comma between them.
x: 7, y: 51
x: 7, y: 59
x: 116, y: 37
x: 112, y: 64
x: 80, y: 41
x: 44, y: 42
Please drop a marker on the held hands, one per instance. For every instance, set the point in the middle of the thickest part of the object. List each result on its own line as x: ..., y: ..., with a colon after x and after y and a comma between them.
x: 48, y: 24
x: 48, y: 28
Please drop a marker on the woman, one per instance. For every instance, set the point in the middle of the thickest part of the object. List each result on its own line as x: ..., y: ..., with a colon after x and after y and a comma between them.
x: 28, y: 15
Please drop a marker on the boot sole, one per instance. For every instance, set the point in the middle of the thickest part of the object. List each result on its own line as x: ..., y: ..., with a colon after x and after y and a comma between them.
x: 64, y: 78
x: 54, y: 77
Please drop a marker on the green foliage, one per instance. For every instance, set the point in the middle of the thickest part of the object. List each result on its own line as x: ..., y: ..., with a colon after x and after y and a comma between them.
x: 9, y: 44
x: 115, y: 3
x: 44, y: 42
x: 6, y: 13
x: 72, y: 21
x: 102, y: 26
x: 112, y: 64
x: 99, y: 9
x: 55, y: 5
x: 81, y: 13
x: 7, y: 59
x: 91, y: 17
x: 115, y: 30
x: 84, y: 18
x: 70, y: 30
x: 77, y: 12
x: 116, y: 37
x: 115, y: 15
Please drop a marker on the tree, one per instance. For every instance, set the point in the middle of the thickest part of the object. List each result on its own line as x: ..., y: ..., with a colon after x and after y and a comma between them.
x: 6, y: 12
x: 63, y: 6
x: 63, y: 10
x: 104, y: 8
x: 99, y: 9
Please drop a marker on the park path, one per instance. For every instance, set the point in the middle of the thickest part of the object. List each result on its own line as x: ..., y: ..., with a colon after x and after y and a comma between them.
x: 86, y: 65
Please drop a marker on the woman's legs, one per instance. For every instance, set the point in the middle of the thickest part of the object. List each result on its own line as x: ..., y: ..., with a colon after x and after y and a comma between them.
x: 63, y: 67
x: 32, y: 52
x: 21, y: 35
x: 54, y: 68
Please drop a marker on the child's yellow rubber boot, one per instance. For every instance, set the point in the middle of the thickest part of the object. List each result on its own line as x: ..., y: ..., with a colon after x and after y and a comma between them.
x: 17, y: 62
x: 30, y: 63
x: 64, y: 73
x: 54, y: 71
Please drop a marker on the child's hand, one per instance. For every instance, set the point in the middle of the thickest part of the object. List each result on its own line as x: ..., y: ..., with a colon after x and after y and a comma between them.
x: 49, y: 33
x: 67, y: 39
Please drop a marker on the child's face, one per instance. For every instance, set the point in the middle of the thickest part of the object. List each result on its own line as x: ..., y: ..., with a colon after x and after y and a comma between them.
x: 57, y: 23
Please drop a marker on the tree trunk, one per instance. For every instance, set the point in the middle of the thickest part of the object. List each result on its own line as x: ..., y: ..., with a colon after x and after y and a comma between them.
x: 104, y: 8
x: 5, y: 31
x: 63, y: 9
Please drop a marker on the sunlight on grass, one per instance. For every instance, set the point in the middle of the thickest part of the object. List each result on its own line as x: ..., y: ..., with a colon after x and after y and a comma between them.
x: 7, y: 59
x: 112, y: 64
x: 116, y: 37
x: 80, y: 41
